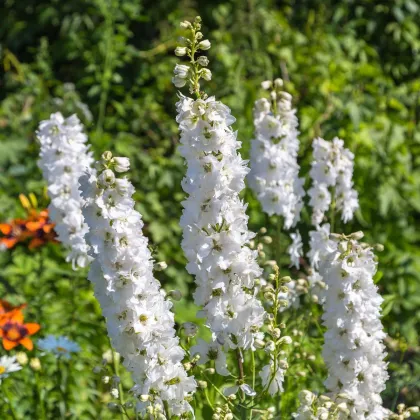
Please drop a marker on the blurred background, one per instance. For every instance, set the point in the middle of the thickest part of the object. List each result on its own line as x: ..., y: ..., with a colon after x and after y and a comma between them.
x: 353, y: 68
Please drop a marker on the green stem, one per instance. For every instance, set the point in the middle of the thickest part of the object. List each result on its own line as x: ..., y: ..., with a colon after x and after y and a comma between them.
x: 115, y: 364
x: 278, y: 241
x: 9, y: 402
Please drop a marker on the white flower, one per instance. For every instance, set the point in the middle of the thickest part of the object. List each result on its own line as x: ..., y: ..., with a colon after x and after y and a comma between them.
x: 64, y: 157
x: 274, y: 175
x: 214, y: 222
x: 211, y: 351
x: 274, y: 380
x: 139, y: 321
x: 354, y: 351
x: 245, y: 388
x: 8, y: 364
x: 295, y: 249
x: 332, y: 169
x: 60, y: 346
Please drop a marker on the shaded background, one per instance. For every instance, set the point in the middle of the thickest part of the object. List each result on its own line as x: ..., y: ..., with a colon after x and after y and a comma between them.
x: 353, y: 68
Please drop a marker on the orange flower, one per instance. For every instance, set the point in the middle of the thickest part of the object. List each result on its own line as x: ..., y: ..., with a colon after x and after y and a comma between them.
x: 15, y: 332
x: 37, y: 227
x: 7, y: 311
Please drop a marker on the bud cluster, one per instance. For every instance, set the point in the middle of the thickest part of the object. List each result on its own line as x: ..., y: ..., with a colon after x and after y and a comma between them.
x: 196, y: 69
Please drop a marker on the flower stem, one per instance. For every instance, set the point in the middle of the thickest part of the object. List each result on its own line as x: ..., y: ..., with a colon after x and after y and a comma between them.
x: 115, y: 364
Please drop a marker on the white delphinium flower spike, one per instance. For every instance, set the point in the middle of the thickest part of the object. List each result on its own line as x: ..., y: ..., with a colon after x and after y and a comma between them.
x: 139, y: 321
x: 274, y: 175
x: 64, y: 157
x: 331, y: 174
x: 215, y: 225
x: 353, y: 350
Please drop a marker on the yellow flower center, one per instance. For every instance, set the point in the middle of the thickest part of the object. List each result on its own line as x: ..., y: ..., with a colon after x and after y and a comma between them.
x: 62, y: 349
x: 2, y: 369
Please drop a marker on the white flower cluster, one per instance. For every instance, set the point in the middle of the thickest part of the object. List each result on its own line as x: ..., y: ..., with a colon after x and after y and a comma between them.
x: 215, y: 225
x: 139, y: 321
x: 274, y: 175
x: 64, y: 157
x: 272, y: 376
x: 353, y: 349
x: 332, y: 168
x: 314, y: 407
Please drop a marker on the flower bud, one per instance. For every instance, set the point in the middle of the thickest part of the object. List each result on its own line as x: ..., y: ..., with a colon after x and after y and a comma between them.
x: 180, y: 51
x: 379, y: 247
x: 266, y: 84
x: 285, y: 340
x: 179, y: 82
x: 285, y: 279
x: 205, y: 74
x: 270, y: 347
x: 278, y: 83
x: 35, y: 363
x: 357, y: 235
x: 267, y: 239
x: 276, y: 332
x: 185, y: 24
x: 283, y: 364
x: 114, y: 393
x: 160, y: 266
x: 204, y: 45
x: 106, y: 156
x: 203, y: 61
x: 144, y: 398
x: 122, y: 164
x: 22, y: 358
x: 259, y: 343
x: 210, y: 371
x: 202, y: 384
x: 105, y: 379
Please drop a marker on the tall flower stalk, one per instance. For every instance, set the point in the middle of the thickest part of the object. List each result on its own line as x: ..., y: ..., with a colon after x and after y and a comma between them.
x: 139, y: 320
x: 64, y: 157
x: 215, y: 232
x: 353, y: 350
x: 274, y: 175
x: 331, y: 192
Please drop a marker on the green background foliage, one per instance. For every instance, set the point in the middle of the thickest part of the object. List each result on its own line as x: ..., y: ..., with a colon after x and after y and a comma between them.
x: 353, y: 68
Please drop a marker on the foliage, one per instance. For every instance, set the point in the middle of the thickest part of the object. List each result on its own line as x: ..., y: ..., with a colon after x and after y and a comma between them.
x: 353, y: 69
